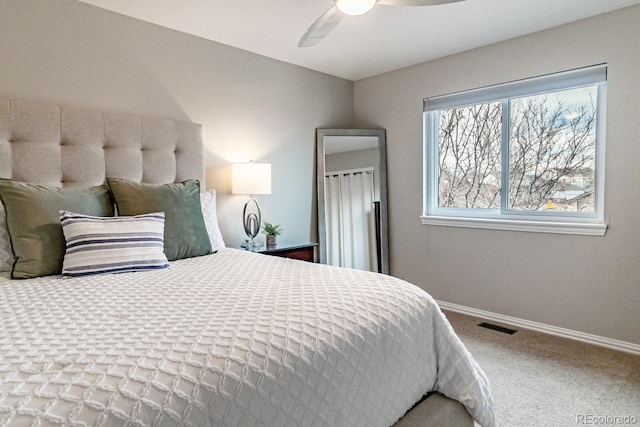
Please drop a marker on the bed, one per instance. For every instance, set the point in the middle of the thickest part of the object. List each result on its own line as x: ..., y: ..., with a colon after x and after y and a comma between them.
x: 190, y: 332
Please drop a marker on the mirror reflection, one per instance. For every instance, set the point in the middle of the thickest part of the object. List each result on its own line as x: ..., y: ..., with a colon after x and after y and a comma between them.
x: 352, y: 198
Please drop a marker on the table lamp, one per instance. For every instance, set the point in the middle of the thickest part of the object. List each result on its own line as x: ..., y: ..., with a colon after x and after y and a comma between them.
x: 252, y: 179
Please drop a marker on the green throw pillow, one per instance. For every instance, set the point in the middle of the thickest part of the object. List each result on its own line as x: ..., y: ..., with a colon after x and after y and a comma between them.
x: 33, y: 222
x: 185, y: 234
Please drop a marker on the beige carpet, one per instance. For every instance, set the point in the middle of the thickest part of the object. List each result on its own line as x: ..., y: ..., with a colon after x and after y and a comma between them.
x: 543, y: 380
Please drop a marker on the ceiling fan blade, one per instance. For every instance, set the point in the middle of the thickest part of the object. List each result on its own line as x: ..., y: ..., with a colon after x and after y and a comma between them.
x: 415, y: 2
x: 321, y: 28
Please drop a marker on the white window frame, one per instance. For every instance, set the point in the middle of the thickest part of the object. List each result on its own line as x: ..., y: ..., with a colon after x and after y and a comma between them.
x: 504, y: 219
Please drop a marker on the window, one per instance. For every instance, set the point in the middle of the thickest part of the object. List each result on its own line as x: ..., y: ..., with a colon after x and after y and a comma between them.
x: 526, y: 155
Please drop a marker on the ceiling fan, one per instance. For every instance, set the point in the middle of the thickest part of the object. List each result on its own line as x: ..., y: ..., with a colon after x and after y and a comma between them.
x: 328, y: 21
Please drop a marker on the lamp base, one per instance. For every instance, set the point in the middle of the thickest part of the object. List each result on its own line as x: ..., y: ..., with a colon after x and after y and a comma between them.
x: 251, y: 220
x: 253, y: 245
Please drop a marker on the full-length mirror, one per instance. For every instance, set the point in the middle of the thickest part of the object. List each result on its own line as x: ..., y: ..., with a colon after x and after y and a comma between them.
x: 352, y: 198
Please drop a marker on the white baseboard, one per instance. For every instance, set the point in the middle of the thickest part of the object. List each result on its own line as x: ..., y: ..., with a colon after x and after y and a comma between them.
x: 541, y: 327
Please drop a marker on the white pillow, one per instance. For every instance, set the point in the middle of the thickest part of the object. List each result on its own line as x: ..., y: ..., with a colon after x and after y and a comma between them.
x: 6, y: 253
x: 117, y: 244
x: 208, y: 202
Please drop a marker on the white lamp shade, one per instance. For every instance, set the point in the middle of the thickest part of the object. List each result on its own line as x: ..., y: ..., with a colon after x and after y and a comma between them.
x: 251, y: 178
x: 355, y: 7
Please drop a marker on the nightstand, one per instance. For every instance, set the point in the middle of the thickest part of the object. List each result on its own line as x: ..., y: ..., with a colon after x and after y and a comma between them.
x: 303, y: 252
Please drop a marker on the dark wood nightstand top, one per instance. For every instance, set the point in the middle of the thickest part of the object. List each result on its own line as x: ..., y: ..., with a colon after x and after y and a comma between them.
x: 303, y: 252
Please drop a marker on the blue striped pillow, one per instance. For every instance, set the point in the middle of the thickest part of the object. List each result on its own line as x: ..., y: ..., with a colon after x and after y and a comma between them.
x: 119, y: 244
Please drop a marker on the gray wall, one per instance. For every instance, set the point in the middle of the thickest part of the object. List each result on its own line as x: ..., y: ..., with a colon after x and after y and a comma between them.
x: 587, y: 284
x: 251, y: 107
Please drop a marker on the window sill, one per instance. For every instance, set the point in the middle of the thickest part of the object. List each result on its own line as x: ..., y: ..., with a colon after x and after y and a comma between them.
x: 587, y: 229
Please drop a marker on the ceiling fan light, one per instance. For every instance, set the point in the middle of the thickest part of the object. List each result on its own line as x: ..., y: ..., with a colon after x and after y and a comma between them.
x: 355, y: 7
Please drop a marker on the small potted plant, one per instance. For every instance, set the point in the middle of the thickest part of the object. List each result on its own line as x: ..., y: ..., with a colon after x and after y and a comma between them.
x: 271, y: 231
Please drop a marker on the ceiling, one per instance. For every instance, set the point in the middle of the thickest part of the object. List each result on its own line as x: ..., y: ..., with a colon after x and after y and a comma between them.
x: 385, y: 39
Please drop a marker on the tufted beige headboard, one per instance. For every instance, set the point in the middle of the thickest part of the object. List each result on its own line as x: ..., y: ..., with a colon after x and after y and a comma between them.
x: 66, y: 146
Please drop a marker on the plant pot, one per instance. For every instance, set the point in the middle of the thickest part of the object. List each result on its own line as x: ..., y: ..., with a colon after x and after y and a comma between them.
x: 271, y: 239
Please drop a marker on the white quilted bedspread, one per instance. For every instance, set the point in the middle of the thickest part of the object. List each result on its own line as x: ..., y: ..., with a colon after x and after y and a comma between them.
x: 230, y: 339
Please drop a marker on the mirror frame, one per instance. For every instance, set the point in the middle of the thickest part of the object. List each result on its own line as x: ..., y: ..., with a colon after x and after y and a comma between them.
x: 384, y: 218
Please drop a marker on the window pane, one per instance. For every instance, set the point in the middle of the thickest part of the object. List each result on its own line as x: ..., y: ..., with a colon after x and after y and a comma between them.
x: 469, y: 141
x: 552, y: 151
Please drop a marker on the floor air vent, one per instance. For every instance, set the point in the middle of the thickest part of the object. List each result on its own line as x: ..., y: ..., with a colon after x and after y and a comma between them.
x: 498, y: 328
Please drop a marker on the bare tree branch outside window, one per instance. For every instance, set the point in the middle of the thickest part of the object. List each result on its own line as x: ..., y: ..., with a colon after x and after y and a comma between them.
x: 552, y: 151
x: 552, y: 148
